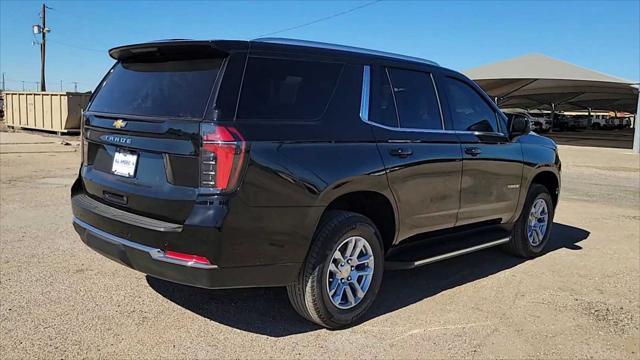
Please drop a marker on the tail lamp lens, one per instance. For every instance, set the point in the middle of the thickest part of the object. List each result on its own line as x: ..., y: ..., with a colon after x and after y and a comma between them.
x: 221, y: 157
x: 85, y: 150
x: 187, y: 257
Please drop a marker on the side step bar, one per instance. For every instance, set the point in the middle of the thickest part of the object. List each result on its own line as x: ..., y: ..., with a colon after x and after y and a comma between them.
x: 402, y: 265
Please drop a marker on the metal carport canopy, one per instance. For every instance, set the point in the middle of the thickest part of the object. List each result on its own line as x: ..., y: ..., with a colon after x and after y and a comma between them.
x: 537, y: 81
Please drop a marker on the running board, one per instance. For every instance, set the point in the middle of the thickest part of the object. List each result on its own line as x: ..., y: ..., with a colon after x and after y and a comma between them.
x: 401, y: 265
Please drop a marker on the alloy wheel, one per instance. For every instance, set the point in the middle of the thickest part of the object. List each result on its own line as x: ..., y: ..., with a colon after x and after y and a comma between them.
x: 350, y: 272
x: 537, y: 222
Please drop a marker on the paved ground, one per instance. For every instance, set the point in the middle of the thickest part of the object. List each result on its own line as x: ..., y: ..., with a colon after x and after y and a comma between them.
x: 60, y: 299
x: 616, y: 138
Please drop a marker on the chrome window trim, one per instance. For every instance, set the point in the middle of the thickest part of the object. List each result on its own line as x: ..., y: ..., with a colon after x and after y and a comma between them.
x: 393, y: 96
x: 365, y: 105
x: 364, y: 110
x: 353, y: 49
x: 435, y: 88
x: 365, y: 94
x: 156, y: 254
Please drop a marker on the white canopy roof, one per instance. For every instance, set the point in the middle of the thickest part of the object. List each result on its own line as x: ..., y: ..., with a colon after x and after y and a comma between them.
x: 537, y: 81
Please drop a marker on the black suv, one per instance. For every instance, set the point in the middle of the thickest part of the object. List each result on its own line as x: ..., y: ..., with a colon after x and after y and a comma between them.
x: 278, y: 162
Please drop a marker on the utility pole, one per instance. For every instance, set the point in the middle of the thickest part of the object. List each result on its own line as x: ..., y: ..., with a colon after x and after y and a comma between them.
x: 3, y: 82
x: 75, y: 86
x: 22, y: 85
x: 42, y: 30
x: 60, y: 85
x: 43, y: 44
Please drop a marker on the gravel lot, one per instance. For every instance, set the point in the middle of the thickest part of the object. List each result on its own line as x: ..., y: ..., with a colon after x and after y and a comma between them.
x: 615, y: 138
x: 60, y: 299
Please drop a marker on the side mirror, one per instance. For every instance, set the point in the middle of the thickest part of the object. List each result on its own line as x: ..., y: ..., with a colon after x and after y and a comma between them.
x: 519, y: 126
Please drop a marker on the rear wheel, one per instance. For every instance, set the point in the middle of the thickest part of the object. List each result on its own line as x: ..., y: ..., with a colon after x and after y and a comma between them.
x: 531, y: 231
x: 342, y: 273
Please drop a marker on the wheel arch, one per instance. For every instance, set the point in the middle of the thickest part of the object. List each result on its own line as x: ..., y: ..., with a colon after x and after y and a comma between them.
x: 544, y: 175
x: 375, y: 205
x: 550, y: 180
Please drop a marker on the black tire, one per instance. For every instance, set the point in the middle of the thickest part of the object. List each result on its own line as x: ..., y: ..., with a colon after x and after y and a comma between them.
x: 309, y: 295
x: 519, y: 244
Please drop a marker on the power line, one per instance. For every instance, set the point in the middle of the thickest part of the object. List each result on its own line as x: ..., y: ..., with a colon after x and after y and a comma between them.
x: 26, y: 83
x: 63, y: 11
x: 19, y: 81
x: 77, y: 46
x: 321, y: 19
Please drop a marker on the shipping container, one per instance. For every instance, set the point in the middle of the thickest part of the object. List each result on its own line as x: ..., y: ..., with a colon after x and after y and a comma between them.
x: 50, y: 111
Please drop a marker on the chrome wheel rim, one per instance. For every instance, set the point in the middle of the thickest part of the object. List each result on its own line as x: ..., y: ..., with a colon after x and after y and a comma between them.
x: 538, y: 222
x: 350, y: 272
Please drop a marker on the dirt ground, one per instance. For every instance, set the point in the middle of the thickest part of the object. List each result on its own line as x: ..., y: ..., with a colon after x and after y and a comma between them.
x: 60, y: 299
x: 614, y: 138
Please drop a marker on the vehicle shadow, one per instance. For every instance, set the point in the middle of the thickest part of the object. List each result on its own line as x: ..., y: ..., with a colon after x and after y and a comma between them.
x: 266, y: 311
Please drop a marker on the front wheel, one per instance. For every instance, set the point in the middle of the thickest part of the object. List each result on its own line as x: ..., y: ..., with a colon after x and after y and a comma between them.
x: 342, y: 273
x: 533, y: 227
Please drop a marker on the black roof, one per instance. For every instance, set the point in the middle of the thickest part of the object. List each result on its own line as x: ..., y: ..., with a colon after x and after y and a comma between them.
x: 126, y: 51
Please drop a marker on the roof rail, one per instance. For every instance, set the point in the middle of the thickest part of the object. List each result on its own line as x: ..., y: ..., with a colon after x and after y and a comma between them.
x: 322, y: 45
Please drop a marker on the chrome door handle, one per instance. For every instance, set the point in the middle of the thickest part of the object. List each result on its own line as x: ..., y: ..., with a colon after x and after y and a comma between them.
x: 473, y: 151
x: 401, y: 152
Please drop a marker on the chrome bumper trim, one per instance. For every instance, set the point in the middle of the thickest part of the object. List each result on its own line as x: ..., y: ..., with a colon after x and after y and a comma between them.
x: 398, y: 265
x: 156, y: 254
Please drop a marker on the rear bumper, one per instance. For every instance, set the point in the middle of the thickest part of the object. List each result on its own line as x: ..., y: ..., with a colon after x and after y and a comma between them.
x: 152, y: 261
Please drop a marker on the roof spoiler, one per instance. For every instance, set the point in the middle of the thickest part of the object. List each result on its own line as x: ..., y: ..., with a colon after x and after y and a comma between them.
x: 173, y: 49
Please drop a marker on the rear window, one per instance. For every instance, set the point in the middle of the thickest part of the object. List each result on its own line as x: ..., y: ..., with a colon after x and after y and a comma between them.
x: 279, y: 89
x: 415, y: 99
x: 178, y: 88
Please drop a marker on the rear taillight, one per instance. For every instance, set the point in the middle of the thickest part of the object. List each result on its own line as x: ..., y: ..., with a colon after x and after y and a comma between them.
x: 85, y: 150
x: 221, y: 157
x: 187, y: 257
x: 84, y: 145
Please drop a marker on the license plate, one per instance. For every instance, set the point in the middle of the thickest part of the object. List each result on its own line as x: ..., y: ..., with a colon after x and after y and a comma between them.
x: 124, y: 163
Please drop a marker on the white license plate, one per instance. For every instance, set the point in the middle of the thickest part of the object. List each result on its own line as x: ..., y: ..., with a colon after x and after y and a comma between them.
x: 124, y: 163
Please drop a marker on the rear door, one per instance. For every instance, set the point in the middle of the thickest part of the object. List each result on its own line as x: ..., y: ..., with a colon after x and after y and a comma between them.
x: 423, y: 161
x: 142, y: 131
x: 492, y: 164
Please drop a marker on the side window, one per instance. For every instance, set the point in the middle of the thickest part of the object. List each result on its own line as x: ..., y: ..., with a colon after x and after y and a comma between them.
x: 468, y: 109
x: 383, y: 107
x: 280, y: 89
x: 502, y: 121
x: 513, y: 116
x: 416, y: 99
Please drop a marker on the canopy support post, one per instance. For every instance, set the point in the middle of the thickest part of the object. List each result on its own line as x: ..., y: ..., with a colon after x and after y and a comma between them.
x: 553, y: 116
x: 636, y: 129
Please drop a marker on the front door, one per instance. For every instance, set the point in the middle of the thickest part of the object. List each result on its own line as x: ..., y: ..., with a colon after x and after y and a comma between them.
x: 492, y: 164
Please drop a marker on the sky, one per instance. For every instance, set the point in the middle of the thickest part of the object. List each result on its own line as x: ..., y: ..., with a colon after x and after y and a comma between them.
x: 601, y: 35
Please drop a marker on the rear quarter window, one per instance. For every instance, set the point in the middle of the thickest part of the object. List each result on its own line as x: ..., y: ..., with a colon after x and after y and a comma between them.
x: 283, y: 89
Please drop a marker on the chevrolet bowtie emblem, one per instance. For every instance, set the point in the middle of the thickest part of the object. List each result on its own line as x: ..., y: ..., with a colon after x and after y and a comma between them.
x: 119, y: 124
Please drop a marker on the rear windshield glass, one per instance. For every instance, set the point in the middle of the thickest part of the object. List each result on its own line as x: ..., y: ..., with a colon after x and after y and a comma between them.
x: 178, y: 88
